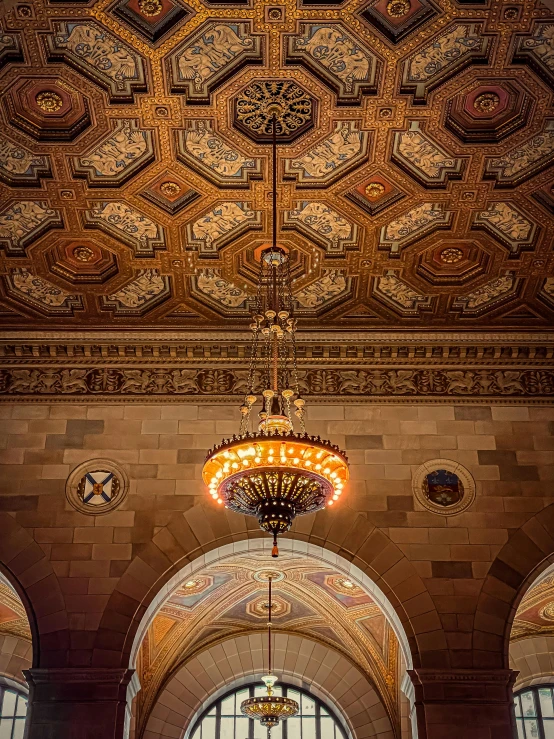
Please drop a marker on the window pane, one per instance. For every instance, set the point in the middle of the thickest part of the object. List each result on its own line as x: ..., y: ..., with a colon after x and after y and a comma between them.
x: 227, y: 727
x: 293, y: 727
x: 241, y: 727
x: 545, y: 696
x: 548, y: 725
x: 528, y: 703
x: 208, y: 728
x: 517, y: 705
x: 308, y: 728
x: 308, y: 706
x: 19, y: 729
x: 6, y: 728
x: 21, y: 706
x: 228, y: 706
x: 520, y: 731
x: 532, y: 729
x: 327, y: 728
x: 8, y: 705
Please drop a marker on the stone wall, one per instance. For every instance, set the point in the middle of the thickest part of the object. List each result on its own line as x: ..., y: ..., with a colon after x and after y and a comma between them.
x: 453, y: 580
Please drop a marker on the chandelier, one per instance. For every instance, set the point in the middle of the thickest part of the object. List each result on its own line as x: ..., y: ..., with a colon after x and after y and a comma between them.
x: 269, y: 709
x: 275, y: 472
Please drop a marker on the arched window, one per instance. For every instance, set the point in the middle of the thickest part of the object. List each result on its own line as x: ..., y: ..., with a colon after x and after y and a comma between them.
x: 223, y: 719
x: 535, y: 712
x: 13, y: 710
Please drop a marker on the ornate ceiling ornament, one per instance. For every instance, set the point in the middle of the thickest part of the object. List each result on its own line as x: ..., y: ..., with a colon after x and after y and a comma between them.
x: 83, y: 254
x: 150, y: 8
x: 451, y: 255
x: 374, y: 190
x: 486, y: 102
x: 275, y: 473
x: 256, y: 105
x: 49, y: 101
x: 398, y: 8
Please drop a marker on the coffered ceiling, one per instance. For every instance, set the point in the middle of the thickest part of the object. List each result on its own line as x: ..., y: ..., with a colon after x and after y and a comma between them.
x: 414, y: 178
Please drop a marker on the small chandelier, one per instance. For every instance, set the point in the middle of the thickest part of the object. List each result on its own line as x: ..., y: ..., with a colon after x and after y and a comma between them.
x: 275, y: 473
x: 269, y: 709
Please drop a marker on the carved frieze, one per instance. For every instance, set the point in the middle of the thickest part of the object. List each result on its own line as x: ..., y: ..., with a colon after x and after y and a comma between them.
x: 336, y: 56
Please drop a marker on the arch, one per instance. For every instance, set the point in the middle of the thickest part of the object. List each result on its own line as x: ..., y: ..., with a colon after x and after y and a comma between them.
x: 203, y: 529
x: 533, y: 658
x: 30, y: 573
x: 526, y: 554
x: 298, y: 660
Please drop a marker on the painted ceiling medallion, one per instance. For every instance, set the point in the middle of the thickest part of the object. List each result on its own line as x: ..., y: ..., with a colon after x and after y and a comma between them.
x: 170, y: 189
x: 83, y: 254
x: 255, y: 106
x: 444, y: 487
x: 275, y: 473
x: 49, y: 101
x: 451, y: 255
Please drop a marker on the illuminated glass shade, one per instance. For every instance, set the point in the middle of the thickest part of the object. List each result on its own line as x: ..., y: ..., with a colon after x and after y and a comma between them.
x: 275, y: 477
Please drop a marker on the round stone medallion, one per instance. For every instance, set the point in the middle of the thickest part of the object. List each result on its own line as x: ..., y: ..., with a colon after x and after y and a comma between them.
x: 444, y: 486
x: 97, y: 486
x: 257, y: 104
x: 264, y: 575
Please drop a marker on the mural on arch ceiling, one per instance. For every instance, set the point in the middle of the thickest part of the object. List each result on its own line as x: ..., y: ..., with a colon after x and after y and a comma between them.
x: 160, y: 167
x: 331, y: 158
x: 535, y: 613
x: 230, y: 598
x: 13, y: 617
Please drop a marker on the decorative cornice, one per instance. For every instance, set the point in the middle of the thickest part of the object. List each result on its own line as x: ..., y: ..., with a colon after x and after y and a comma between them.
x: 115, y: 366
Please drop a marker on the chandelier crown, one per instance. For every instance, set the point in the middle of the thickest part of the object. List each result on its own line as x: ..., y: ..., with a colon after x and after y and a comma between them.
x: 276, y: 472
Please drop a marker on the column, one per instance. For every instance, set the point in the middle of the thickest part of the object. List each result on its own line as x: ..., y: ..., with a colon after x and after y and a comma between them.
x: 77, y: 703
x: 464, y: 704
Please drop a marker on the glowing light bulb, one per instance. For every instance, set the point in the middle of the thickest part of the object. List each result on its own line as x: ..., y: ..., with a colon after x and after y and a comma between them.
x: 329, y: 502
x: 235, y: 466
x: 296, y: 460
x: 270, y: 459
x: 307, y: 463
x: 335, y: 497
x: 219, y: 501
x: 291, y: 451
x: 318, y: 467
x: 246, y: 462
x: 319, y: 455
x: 327, y: 470
x: 257, y: 460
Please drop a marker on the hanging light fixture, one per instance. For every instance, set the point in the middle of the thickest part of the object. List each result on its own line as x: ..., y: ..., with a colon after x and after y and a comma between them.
x: 276, y: 472
x: 269, y: 709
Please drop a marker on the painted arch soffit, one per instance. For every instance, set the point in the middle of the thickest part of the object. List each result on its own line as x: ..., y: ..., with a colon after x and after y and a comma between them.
x: 229, y: 598
x: 141, y: 135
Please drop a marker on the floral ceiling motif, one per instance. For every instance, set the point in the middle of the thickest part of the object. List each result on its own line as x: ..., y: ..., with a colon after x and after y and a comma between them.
x: 150, y: 136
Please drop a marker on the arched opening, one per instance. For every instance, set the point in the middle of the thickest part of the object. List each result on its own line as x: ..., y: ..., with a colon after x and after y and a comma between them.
x: 223, y: 718
x: 336, y: 635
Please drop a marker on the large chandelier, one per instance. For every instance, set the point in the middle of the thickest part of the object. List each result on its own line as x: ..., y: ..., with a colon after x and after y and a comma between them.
x: 275, y: 472
x: 269, y: 709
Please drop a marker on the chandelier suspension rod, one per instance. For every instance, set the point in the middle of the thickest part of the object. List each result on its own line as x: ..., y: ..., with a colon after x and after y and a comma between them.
x: 269, y: 628
x: 273, y: 266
